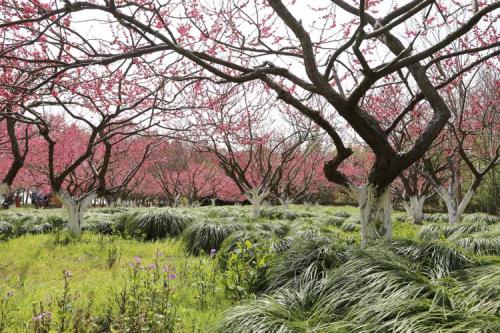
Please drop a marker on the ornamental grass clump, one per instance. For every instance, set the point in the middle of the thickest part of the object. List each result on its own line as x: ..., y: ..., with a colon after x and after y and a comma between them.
x: 154, y: 224
x: 6, y: 230
x: 384, y: 288
x: 315, y: 254
x: 203, y: 236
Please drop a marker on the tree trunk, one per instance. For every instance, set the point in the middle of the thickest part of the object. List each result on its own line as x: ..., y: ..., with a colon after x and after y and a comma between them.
x: 4, y: 189
x: 414, y: 208
x: 256, y: 200
x: 285, y: 202
x: 175, y: 203
x: 375, y: 214
x: 455, y: 210
x: 76, y: 208
x: 213, y: 201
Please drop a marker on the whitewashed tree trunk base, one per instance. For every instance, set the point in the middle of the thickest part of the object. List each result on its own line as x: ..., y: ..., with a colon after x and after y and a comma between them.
x: 4, y: 188
x: 285, y: 202
x: 414, y: 208
x: 256, y: 200
x: 76, y: 209
x: 375, y: 214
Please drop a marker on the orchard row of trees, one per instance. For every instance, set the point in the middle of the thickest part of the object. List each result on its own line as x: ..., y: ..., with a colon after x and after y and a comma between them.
x: 404, y: 93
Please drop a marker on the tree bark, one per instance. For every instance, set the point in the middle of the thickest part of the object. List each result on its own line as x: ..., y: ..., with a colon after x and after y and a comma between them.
x: 375, y: 214
x: 76, y: 209
x: 455, y: 209
x: 256, y: 200
x: 213, y: 202
x: 4, y: 188
x: 285, y: 202
x: 414, y: 208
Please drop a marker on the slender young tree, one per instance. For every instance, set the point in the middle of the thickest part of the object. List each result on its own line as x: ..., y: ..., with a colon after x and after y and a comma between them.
x: 471, y: 139
x: 302, y: 174
x: 82, y: 122
x: 413, y: 189
x: 183, y: 172
x: 238, y: 130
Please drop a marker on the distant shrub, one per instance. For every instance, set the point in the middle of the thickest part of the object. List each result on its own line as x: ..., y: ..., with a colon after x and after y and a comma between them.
x: 157, y: 224
x: 126, y: 221
x: 342, y: 214
x: 304, y: 256
x: 271, y: 213
x: 111, y: 211
x: 436, y: 259
x: 6, y: 230
x: 222, y: 212
x: 279, y: 229
x: 57, y: 222
x: 480, y: 244
x: 102, y: 227
x: 335, y: 221
x: 481, y: 217
x: 206, y: 235
x: 436, y: 218
x: 351, y: 224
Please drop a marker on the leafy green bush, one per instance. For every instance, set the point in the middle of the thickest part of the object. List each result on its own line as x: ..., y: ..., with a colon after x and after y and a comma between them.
x: 280, y: 214
x: 206, y: 235
x: 307, y: 232
x: 460, y: 229
x: 245, y: 268
x: 34, y: 226
x: 431, y: 232
x: 111, y: 211
x: 271, y: 213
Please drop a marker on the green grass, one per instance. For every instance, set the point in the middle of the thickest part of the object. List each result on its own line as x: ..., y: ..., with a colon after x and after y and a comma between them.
x: 31, y: 266
x: 314, y: 253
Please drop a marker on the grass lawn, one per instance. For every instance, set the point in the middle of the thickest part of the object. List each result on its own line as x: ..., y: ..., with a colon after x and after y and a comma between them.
x: 101, y: 266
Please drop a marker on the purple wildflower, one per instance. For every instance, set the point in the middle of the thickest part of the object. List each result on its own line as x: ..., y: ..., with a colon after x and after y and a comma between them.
x: 68, y: 274
x: 213, y: 252
x: 151, y: 267
x: 42, y: 316
x: 137, y: 260
x: 172, y: 276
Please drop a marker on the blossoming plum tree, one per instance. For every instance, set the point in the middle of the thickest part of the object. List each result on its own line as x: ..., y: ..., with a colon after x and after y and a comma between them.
x: 334, y: 50
x: 471, y: 143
